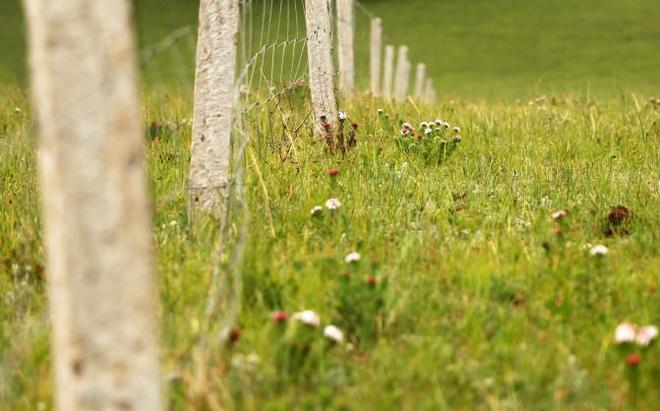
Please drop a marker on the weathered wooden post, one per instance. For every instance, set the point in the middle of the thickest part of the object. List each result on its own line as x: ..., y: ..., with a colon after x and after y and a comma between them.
x: 429, y: 92
x: 215, y: 99
x: 420, y: 81
x: 388, y: 76
x: 321, y: 71
x: 402, y: 75
x: 345, y: 40
x: 96, y: 214
x: 375, y: 55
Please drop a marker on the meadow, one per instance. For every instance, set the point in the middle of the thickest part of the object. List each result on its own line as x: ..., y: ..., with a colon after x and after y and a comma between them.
x: 478, y: 284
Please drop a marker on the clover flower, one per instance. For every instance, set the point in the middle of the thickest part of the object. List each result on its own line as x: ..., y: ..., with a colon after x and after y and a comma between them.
x: 342, y: 116
x: 405, y: 131
x: 646, y: 334
x: 333, y: 204
x: 333, y: 333
x: 316, y: 211
x: 599, y: 250
x: 308, y: 317
x: 353, y: 257
x: 624, y: 333
x: 428, y: 130
x: 559, y: 214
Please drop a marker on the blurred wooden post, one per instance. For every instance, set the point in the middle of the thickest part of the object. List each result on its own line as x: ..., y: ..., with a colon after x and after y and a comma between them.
x: 429, y: 92
x: 376, y: 52
x: 388, y: 76
x: 345, y: 40
x: 402, y: 75
x: 420, y: 81
x: 321, y: 69
x: 215, y: 98
x: 96, y: 214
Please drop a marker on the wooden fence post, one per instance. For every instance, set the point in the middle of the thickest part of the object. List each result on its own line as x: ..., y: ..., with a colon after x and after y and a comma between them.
x: 388, y: 76
x: 215, y: 99
x: 402, y: 75
x: 376, y: 51
x: 345, y: 40
x: 321, y: 70
x: 420, y: 81
x: 96, y: 215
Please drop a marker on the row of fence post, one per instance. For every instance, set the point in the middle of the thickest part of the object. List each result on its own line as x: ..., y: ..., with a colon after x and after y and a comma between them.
x: 389, y: 83
x: 97, y: 220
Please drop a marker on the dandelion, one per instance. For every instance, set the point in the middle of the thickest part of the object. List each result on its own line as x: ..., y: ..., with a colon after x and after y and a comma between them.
x: 559, y: 214
x: 646, y: 334
x: 308, y: 317
x: 342, y: 116
x: 599, y: 251
x: 353, y: 257
x: 624, y: 333
x: 316, y: 211
x: 333, y: 204
x: 333, y: 333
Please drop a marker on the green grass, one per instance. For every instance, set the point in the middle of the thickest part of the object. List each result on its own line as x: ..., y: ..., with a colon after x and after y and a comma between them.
x: 500, y: 50
x: 479, y: 304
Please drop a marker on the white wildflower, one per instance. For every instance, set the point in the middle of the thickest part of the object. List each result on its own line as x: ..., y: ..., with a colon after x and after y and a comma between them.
x: 559, y: 214
x: 428, y: 130
x: 334, y: 334
x: 353, y: 257
x: 457, y: 130
x: 381, y: 111
x: 308, y: 317
x: 342, y: 116
x: 624, y: 333
x: 423, y: 124
x: 599, y: 250
x: 333, y: 204
x: 646, y: 334
x: 316, y: 210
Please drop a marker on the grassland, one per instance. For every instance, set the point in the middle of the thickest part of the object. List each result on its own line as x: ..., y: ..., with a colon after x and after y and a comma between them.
x: 468, y: 294
x: 482, y: 49
x: 479, y: 302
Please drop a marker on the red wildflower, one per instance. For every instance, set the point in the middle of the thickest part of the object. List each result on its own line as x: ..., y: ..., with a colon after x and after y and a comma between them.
x: 279, y: 316
x: 372, y: 280
x: 633, y: 360
x: 332, y: 172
